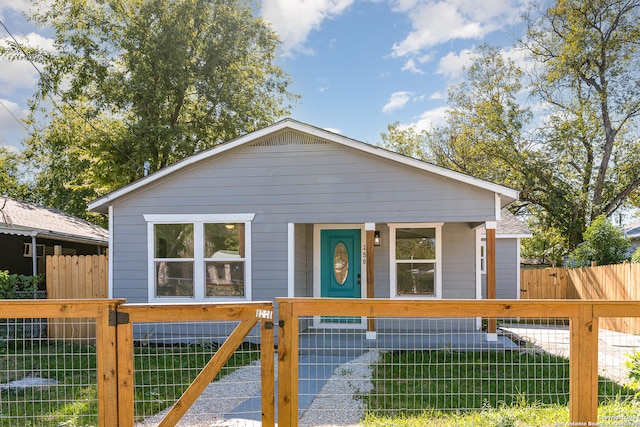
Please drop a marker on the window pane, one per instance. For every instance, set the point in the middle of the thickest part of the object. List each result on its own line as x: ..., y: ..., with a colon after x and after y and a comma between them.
x: 416, y: 278
x: 415, y: 243
x: 225, y: 279
x: 173, y: 240
x: 174, y: 279
x: 224, y: 240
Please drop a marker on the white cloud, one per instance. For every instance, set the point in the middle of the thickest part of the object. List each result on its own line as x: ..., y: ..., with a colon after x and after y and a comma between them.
x: 453, y: 64
x: 293, y: 20
x: 396, y: 101
x: 435, y: 22
x: 411, y: 67
x: 430, y: 119
x: 22, y: 74
x: 13, y: 5
x: 10, y: 113
x: 437, y: 95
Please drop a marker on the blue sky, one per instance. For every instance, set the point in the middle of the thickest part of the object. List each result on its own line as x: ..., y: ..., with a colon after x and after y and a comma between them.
x: 357, y: 64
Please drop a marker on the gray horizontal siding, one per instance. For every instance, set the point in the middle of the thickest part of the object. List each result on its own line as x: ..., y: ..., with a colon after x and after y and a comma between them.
x: 507, y: 283
x: 458, y: 261
x: 302, y: 184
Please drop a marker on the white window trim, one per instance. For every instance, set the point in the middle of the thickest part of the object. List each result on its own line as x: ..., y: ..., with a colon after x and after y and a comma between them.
x: 198, y: 222
x: 393, y: 265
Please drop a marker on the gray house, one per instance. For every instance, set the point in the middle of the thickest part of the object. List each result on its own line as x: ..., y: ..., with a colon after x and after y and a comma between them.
x: 294, y: 210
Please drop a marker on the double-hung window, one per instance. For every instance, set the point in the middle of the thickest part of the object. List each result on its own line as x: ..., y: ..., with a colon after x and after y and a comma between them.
x: 416, y: 260
x: 199, y: 257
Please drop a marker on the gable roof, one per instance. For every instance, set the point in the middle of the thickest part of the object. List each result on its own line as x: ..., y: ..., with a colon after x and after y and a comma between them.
x: 29, y: 219
x: 507, y: 195
x: 510, y: 226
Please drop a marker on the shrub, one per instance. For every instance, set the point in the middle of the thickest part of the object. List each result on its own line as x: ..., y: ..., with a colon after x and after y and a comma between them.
x: 633, y: 364
x: 603, y: 244
x: 636, y: 255
x: 13, y: 285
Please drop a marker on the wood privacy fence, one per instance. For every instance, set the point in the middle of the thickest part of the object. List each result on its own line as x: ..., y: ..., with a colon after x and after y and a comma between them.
x: 75, y: 277
x: 619, y: 282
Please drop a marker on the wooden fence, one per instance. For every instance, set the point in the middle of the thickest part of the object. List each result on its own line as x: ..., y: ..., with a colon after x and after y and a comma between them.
x: 584, y: 317
x: 619, y: 282
x: 75, y: 277
x: 115, y: 351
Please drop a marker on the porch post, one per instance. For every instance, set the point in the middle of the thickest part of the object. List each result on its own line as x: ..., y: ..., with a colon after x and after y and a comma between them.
x: 370, y: 229
x: 490, y: 227
x: 34, y: 255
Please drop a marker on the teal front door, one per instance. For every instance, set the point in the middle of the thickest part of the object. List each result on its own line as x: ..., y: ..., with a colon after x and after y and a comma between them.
x: 340, y: 264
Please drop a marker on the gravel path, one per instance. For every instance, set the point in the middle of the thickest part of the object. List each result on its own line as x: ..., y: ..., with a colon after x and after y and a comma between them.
x: 336, y: 404
x: 210, y: 409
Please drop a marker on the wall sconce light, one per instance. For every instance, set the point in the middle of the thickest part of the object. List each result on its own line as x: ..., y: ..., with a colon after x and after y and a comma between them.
x: 376, y: 238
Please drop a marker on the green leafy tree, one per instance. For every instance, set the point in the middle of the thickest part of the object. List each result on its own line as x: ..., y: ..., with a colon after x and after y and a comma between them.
x: 153, y: 81
x: 580, y: 158
x: 407, y: 141
x: 589, y: 57
x: 635, y: 257
x: 10, y: 173
x: 484, y: 124
x: 604, y: 244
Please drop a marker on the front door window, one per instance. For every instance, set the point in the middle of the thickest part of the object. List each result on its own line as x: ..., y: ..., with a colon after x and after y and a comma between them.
x: 341, y: 263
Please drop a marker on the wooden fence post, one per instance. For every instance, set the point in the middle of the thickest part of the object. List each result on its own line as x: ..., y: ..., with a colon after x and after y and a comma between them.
x: 267, y: 372
x: 287, y: 366
x: 583, y: 367
x: 107, y: 361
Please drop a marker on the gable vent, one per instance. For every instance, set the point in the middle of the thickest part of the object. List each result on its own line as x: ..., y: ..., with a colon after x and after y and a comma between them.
x: 288, y: 138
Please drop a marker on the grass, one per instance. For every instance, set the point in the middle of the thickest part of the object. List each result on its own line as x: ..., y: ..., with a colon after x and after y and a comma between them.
x: 496, y: 388
x: 163, y: 373
x: 72, y: 401
x: 161, y: 376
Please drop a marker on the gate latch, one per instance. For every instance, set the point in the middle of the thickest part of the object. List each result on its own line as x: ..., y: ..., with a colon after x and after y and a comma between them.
x: 118, y: 318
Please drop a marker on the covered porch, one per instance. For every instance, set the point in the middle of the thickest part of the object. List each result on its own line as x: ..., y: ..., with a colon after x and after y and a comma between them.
x: 404, y: 261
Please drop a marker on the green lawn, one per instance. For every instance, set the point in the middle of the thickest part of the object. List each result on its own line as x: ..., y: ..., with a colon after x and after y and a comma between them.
x: 475, y: 388
x: 161, y: 376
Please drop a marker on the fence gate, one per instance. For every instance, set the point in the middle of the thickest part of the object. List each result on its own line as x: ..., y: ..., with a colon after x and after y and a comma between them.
x: 547, y: 283
x: 161, y: 348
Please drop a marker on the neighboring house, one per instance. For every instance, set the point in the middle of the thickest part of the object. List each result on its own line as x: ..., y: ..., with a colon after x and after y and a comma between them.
x: 29, y: 232
x: 632, y: 232
x: 294, y: 210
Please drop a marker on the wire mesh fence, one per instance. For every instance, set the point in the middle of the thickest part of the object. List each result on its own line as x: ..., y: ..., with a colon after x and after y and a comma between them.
x: 168, y: 356
x: 445, y: 372
x: 46, y: 381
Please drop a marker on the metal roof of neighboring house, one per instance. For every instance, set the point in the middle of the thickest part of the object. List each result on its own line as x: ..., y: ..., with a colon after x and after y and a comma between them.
x: 29, y: 219
x: 507, y: 195
x: 632, y: 231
